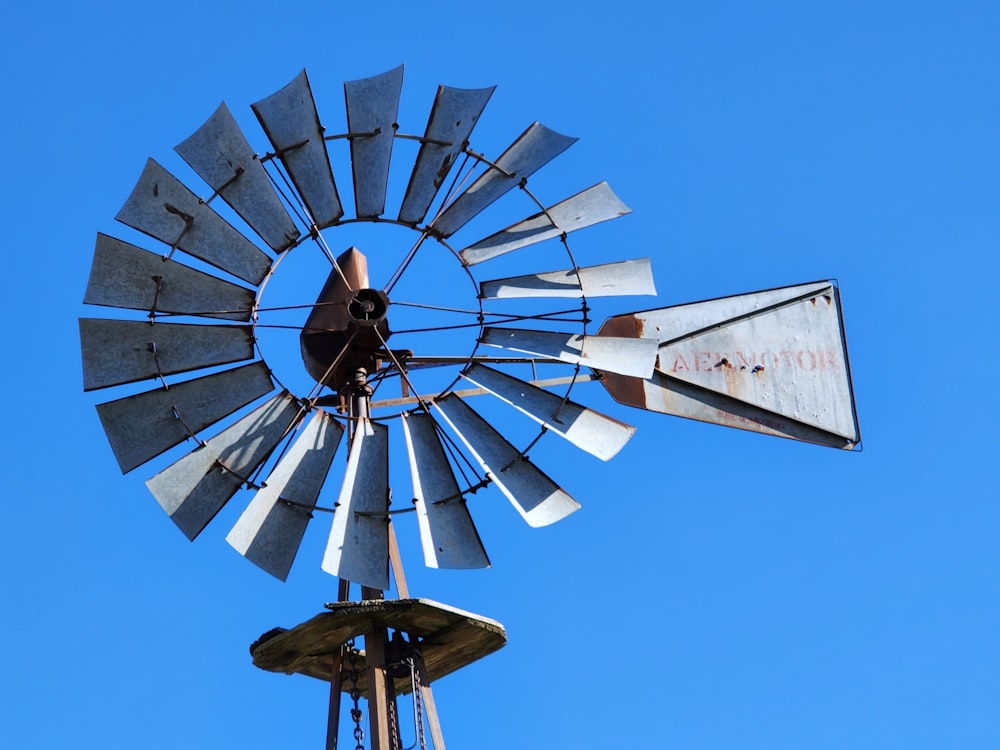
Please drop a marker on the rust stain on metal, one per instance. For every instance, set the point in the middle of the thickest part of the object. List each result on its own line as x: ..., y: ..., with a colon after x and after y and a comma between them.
x: 623, y: 388
x: 625, y: 326
x: 734, y: 377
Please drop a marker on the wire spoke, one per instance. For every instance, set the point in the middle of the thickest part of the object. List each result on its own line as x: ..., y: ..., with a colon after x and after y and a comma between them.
x: 443, y: 361
x: 398, y: 274
x: 550, y: 317
x: 462, y: 311
x: 439, y: 308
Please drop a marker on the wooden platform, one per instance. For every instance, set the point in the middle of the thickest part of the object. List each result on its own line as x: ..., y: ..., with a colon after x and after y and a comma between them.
x: 448, y: 639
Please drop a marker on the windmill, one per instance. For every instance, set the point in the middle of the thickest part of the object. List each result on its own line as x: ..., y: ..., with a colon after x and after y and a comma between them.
x: 196, y: 315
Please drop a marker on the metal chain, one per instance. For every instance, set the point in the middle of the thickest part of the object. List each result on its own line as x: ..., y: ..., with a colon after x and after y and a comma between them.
x: 359, y: 733
x: 417, y: 703
x: 393, y: 720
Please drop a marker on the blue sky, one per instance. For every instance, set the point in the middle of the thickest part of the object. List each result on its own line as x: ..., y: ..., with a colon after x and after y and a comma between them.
x: 718, y: 589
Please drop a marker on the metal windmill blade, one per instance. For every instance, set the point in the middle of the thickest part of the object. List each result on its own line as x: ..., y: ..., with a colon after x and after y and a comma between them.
x: 143, y: 426
x: 627, y: 278
x: 124, y: 351
x: 372, y: 107
x: 272, y: 527
x: 533, y: 149
x: 589, y: 207
x: 447, y: 534
x: 589, y: 430
x: 219, y: 152
x: 619, y: 354
x: 123, y: 275
x: 538, y: 499
x: 291, y: 121
x: 453, y: 116
x: 358, y: 547
x: 162, y: 207
x: 193, y: 489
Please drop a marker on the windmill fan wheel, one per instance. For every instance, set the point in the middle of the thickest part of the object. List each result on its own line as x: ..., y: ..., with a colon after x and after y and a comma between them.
x: 207, y: 307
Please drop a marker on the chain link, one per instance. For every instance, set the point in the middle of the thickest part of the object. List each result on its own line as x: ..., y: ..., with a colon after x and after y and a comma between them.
x: 359, y: 733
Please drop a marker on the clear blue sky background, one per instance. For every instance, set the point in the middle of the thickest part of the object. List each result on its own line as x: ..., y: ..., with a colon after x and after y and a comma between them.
x: 719, y: 589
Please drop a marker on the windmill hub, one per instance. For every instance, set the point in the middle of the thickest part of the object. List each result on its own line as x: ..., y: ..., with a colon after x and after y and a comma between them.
x: 347, y: 325
x: 368, y: 308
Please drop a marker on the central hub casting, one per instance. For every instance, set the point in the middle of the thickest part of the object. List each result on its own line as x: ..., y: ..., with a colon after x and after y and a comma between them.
x: 368, y: 308
x: 347, y: 328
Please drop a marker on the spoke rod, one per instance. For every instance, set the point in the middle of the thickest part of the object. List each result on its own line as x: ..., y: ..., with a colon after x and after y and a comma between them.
x: 441, y: 308
x: 209, y: 313
x: 405, y: 264
x: 439, y: 361
x: 314, y: 329
x: 403, y: 401
x: 318, y: 237
x: 430, y: 329
x: 509, y: 319
x: 310, y: 305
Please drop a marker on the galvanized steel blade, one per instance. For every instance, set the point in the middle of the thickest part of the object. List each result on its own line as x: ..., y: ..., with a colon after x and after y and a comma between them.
x: 453, y: 116
x: 372, y: 106
x: 270, y: 530
x: 586, y: 208
x: 142, y: 426
x: 626, y: 278
x: 290, y: 119
x: 447, y: 534
x: 790, y: 360
x: 195, y: 488
x: 126, y: 276
x: 538, y: 499
x: 162, y: 207
x: 596, y: 433
x: 627, y: 356
x: 358, y: 547
x: 532, y: 150
x: 220, y: 153
x: 124, y: 351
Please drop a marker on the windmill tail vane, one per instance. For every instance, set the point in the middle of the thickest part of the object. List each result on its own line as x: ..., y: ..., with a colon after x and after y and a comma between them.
x: 743, y: 361
x: 773, y: 362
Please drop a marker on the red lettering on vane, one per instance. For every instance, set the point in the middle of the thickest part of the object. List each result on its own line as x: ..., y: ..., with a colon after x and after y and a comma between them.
x: 805, y: 360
